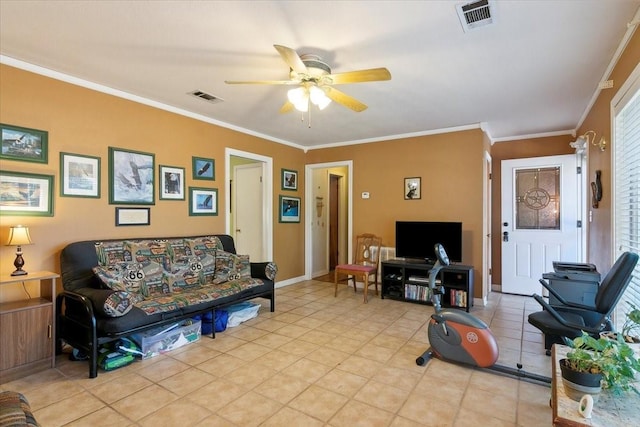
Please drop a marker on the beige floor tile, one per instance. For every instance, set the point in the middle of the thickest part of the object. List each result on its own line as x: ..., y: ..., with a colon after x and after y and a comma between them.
x: 307, y: 370
x: 282, y: 388
x: 272, y: 340
x: 299, y: 347
x: 251, y: 410
x: 375, y: 352
x: 223, y: 342
x: 356, y: 413
x: 467, y: 418
x: 429, y: 410
x: 360, y: 366
x: 217, y: 394
x: 319, y: 337
x: 195, y: 354
x: 382, y: 396
x: 491, y: 404
x: 270, y: 325
x: 163, y: 369
x: 348, y: 345
x: 327, y: 356
x: 342, y: 382
x: 144, y: 402
x: 182, y: 412
x: 186, y: 382
x: 120, y: 387
x: 221, y: 365
x: 291, y: 418
x: 105, y: 417
x: 277, y: 359
x: 318, y: 402
x: 249, y: 351
x: 249, y: 377
x: 398, y: 377
x: 68, y: 410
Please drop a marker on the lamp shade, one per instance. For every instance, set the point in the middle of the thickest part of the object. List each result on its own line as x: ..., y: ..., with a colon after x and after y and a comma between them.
x: 19, y: 235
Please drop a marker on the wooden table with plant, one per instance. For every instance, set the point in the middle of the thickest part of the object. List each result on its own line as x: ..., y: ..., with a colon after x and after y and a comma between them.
x: 612, y: 363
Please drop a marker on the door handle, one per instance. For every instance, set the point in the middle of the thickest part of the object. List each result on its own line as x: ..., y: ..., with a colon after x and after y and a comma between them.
x: 237, y: 230
x: 505, y: 236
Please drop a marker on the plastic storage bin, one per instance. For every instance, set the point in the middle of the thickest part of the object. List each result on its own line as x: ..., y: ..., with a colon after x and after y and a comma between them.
x: 168, y: 337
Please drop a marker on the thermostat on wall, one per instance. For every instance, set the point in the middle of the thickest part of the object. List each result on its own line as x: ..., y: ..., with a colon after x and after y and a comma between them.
x: 365, y: 194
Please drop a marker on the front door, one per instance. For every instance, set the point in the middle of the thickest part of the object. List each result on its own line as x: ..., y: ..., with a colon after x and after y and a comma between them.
x: 539, y: 219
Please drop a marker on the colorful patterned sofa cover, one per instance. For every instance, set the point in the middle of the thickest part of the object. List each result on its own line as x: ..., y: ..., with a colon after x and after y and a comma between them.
x: 115, y: 288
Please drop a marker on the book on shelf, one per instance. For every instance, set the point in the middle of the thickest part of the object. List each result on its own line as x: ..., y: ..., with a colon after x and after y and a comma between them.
x: 417, y: 292
x: 457, y: 298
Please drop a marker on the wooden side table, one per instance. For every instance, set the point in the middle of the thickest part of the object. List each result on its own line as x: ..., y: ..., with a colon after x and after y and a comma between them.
x: 27, y: 342
x: 609, y: 410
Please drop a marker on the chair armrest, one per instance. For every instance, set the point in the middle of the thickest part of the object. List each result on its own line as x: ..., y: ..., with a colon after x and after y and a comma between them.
x: 552, y: 311
x: 561, y: 298
x: 264, y: 270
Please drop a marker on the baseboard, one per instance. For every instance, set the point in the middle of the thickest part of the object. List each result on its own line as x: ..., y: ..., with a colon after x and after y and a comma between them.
x: 292, y: 281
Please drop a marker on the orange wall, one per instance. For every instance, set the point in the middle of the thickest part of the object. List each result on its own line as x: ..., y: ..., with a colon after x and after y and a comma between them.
x: 600, y: 251
x: 450, y: 166
x: 83, y: 121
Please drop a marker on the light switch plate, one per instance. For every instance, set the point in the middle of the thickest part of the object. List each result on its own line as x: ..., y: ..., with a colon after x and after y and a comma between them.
x: 365, y: 194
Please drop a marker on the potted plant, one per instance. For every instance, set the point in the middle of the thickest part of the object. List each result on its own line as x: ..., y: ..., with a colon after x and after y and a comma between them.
x: 631, y: 327
x: 592, y: 363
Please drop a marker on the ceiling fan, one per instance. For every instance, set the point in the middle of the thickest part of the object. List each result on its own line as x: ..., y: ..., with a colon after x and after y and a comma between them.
x: 315, y: 82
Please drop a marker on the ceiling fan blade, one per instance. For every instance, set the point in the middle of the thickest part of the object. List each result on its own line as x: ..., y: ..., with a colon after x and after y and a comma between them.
x: 292, y: 59
x: 261, y: 82
x: 344, y: 99
x: 287, y: 107
x: 370, y: 75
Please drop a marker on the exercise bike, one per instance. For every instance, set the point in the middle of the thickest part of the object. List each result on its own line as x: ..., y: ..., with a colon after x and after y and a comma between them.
x: 459, y: 337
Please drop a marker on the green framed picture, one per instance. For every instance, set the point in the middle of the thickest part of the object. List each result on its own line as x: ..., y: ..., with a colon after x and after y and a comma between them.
x: 26, y: 194
x: 79, y: 175
x: 171, y: 183
x: 289, y: 209
x: 204, y: 168
x: 24, y: 144
x: 203, y: 201
x: 289, y: 180
x: 131, y: 177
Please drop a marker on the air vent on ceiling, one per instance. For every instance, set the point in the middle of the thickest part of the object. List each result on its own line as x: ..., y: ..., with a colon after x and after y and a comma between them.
x: 207, y: 97
x: 475, y: 14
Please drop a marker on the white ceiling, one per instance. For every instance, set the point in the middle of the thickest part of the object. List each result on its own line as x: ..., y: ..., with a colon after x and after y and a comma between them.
x: 535, y: 71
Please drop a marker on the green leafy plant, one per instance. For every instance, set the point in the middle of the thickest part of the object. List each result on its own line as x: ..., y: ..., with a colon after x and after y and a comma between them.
x: 631, y: 327
x: 613, y: 358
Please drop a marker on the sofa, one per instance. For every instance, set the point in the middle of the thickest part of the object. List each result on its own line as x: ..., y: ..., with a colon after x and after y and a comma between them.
x: 120, y: 287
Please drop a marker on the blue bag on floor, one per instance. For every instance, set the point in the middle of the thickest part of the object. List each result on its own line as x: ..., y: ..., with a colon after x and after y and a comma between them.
x: 222, y: 316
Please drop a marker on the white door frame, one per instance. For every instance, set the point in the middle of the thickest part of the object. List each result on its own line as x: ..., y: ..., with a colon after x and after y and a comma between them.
x: 309, y: 210
x: 267, y: 206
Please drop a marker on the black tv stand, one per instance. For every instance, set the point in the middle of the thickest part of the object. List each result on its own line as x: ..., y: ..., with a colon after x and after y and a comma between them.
x: 407, y: 280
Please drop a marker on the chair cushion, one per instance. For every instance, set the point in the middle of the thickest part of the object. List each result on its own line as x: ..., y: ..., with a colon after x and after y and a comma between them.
x: 356, y: 267
x: 550, y: 326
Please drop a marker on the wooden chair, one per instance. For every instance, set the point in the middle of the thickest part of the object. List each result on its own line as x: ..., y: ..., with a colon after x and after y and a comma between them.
x: 365, y: 263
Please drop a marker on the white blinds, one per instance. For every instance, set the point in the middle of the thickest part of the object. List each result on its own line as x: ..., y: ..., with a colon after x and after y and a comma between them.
x: 626, y: 184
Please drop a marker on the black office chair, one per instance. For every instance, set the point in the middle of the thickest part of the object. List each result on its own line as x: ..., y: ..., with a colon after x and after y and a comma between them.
x: 570, y: 319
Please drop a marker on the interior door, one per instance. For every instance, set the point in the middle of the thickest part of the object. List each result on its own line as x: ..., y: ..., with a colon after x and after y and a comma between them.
x: 539, y: 219
x: 334, y: 219
x: 246, y: 205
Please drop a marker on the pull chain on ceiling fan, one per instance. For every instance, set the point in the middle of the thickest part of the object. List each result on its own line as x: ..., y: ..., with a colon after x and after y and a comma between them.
x: 315, y: 82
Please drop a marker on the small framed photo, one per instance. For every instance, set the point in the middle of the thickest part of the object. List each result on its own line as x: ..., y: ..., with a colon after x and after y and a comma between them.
x: 26, y: 194
x: 79, y: 175
x: 203, y: 201
x: 289, y: 209
x: 24, y: 144
x: 171, y: 183
x: 133, y: 216
x: 131, y: 177
x: 204, y: 168
x: 412, y: 188
x: 289, y: 179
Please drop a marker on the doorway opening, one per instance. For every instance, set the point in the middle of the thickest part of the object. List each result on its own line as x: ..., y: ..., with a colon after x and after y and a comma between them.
x: 249, y: 202
x: 328, y: 215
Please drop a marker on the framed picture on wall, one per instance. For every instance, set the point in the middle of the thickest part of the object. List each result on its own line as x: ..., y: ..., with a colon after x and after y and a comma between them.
x: 133, y: 216
x: 412, y: 190
x: 289, y: 209
x: 26, y: 194
x: 204, y: 168
x: 203, y: 201
x: 171, y: 183
x: 289, y: 179
x: 79, y: 175
x: 24, y: 144
x: 131, y: 177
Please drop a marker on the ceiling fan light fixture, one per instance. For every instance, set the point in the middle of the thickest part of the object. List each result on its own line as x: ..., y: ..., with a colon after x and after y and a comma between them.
x: 319, y: 97
x: 299, y: 97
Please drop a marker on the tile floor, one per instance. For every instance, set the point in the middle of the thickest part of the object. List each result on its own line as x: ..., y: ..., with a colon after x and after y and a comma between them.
x: 316, y: 361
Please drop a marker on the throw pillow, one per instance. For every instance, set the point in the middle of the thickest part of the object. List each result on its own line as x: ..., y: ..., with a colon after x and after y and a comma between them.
x: 109, y: 253
x: 120, y: 277
x: 147, y: 250
x: 184, y: 275
x: 178, y: 249
x: 117, y: 304
x: 231, y: 267
x: 270, y: 270
x: 204, y: 245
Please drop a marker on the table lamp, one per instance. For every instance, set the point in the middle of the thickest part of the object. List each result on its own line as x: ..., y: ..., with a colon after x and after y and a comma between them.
x: 18, y: 236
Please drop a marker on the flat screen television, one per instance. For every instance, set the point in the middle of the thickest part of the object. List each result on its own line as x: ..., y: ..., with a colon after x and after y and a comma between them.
x: 416, y: 239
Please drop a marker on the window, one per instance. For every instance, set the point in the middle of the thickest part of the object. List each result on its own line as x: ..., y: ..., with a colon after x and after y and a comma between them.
x: 626, y: 184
